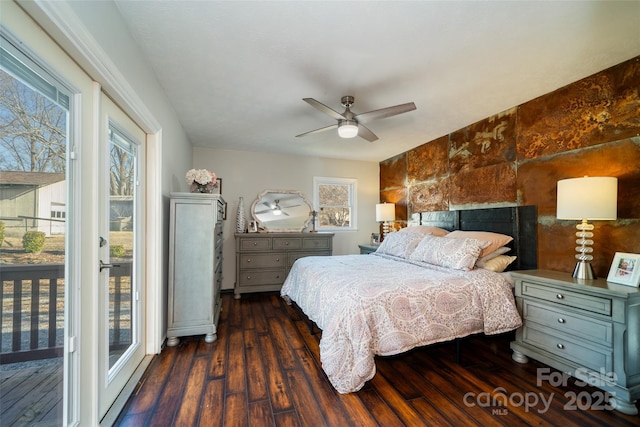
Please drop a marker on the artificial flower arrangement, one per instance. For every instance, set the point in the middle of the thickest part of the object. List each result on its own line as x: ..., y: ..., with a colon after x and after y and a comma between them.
x: 201, y: 180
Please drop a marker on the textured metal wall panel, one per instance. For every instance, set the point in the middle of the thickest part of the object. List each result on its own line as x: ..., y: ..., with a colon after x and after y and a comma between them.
x: 488, y: 142
x: 428, y: 161
x: 600, y: 108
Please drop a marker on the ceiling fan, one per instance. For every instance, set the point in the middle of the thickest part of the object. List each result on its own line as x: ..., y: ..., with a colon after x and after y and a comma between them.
x: 276, y: 209
x: 351, y: 125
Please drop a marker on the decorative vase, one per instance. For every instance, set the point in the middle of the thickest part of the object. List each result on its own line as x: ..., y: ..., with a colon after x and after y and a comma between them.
x: 201, y: 188
x: 241, y: 219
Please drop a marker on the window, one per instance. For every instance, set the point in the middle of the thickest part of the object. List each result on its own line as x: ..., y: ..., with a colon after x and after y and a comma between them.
x: 335, y: 201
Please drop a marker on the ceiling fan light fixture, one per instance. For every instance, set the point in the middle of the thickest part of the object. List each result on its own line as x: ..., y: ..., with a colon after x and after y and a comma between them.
x: 348, y: 128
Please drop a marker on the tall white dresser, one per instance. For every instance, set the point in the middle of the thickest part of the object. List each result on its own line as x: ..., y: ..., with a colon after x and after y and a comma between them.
x: 195, y: 265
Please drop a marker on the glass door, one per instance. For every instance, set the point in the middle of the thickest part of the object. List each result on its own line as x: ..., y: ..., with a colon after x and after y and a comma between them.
x: 35, y: 254
x: 121, y: 223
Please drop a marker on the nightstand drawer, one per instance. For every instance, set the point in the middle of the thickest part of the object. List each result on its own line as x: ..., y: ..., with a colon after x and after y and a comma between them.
x: 577, y: 325
x: 596, y: 304
x: 262, y: 260
x: 572, y: 349
x: 263, y: 277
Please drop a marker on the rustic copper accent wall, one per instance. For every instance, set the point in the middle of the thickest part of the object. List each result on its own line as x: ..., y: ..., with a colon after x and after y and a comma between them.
x: 590, y: 127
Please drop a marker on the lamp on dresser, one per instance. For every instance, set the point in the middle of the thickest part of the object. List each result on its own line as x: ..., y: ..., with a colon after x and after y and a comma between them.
x: 385, y: 212
x: 584, y: 199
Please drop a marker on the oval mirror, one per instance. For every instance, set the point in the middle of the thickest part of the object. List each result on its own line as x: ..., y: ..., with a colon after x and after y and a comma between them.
x: 281, y: 211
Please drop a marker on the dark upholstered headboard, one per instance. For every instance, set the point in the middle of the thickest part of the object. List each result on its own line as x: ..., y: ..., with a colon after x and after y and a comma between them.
x: 520, y: 222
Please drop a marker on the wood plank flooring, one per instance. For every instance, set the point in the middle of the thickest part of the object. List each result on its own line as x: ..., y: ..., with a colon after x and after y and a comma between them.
x: 264, y: 370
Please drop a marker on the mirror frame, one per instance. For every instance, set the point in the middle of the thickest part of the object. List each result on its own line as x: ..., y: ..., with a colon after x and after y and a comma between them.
x: 266, y: 227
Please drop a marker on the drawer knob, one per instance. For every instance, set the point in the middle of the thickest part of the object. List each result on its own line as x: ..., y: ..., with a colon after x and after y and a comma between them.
x: 286, y: 243
x: 255, y: 243
x: 277, y: 259
x: 560, y: 296
x: 560, y: 346
x: 561, y: 320
x: 248, y: 277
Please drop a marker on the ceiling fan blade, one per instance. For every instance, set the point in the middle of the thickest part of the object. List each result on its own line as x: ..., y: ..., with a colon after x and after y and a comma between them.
x: 364, y: 132
x: 320, y: 106
x: 385, y: 112
x: 319, y: 130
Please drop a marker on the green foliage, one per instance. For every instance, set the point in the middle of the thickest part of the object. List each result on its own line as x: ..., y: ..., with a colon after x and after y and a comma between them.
x: 2, y: 232
x: 33, y: 241
x: 116, y: 251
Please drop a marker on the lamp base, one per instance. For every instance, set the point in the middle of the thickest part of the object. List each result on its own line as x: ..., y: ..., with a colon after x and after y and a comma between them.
x: 584, y: 271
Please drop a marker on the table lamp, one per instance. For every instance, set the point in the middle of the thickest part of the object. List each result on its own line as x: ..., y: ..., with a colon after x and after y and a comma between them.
x: 385, y: 212
x: 588, y: 198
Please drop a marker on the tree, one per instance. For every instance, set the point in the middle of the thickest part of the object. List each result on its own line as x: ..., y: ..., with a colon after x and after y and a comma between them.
x: 122, y: 173
x: 33, y: 129
x: 334, y: 205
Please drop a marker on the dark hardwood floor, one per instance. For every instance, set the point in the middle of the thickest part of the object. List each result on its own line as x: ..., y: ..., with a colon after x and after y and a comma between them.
x: 264, y: 370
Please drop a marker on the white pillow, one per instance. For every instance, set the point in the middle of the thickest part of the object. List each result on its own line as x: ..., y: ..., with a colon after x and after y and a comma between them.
x: 492, y: 255
x: 499, y: 263
x: 400, y: 244
x: 459, y: 254
x: 496, y: 239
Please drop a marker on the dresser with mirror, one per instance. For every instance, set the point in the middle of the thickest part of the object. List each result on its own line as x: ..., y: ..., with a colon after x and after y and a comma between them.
x: 264, y: 258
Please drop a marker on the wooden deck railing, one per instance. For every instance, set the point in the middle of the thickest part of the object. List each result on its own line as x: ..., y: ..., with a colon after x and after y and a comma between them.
x: 32, y: 310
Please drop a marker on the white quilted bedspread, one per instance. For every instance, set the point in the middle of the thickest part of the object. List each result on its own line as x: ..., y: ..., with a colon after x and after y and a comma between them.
x: 370, y: 305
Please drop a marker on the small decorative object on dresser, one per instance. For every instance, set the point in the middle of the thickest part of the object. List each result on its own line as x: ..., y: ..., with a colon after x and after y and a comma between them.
x: 202, y: 181
x: 217, y: 189
x: 241, y: 217
x: 589, y: 329
x: 625, y: 269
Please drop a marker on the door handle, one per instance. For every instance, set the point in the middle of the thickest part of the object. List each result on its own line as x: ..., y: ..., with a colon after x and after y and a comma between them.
x: 103, y: 265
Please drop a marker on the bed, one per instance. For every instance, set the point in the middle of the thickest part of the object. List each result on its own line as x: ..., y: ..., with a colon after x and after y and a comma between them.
x: 422, y: 287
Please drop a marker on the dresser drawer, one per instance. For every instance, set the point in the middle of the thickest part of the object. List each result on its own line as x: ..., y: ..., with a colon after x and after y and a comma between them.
x: 262, y: 277
x: 285, y: 243
x: 297, y: 255
x: 571, y: 348
x: 595, y: 330
x: 595, y: 304
x: 316, y: 243
x: 267, y: 260
x: 248, y: 244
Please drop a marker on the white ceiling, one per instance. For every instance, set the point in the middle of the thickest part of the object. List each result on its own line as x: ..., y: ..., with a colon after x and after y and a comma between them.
x: 236, y: 71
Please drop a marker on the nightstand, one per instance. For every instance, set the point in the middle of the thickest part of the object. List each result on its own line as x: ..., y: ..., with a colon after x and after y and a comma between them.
x: 589, y: 329
x: 367, y: 249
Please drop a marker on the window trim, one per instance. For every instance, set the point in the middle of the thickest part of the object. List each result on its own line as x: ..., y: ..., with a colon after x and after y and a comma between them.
x: 352, y: 183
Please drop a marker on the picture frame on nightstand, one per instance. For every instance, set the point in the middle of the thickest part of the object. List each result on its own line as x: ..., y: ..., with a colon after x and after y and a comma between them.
x: 625, y: 269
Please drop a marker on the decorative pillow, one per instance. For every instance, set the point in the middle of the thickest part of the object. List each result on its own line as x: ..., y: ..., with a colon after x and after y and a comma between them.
x: 459, y: 254
x: 499, y: 263
x: 496, y: 239
x: 424, y: 229
x: 400, y: 244
x: 500, y: 251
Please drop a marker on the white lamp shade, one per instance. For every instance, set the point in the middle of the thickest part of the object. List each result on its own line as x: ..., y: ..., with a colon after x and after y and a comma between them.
x: 385, y: 212
x: 588, y: 198
x: 347, y: 129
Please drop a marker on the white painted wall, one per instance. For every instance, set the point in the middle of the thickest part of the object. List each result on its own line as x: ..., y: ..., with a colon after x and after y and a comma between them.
x: 246, y: 174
